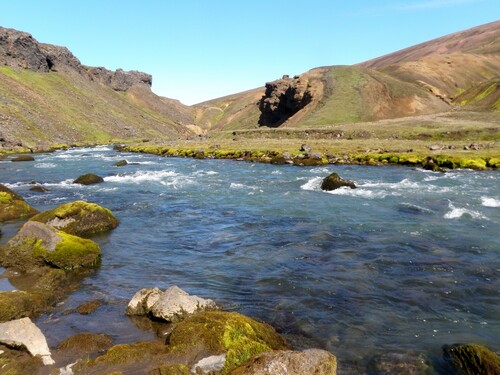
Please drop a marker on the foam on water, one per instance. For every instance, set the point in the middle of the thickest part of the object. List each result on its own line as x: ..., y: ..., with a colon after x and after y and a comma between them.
x: 45, y: 165
x: 141, y: 176
x: 458, y: 212
x: 490, y: 202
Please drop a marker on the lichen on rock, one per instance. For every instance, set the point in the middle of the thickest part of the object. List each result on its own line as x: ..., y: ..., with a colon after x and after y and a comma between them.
x: 79, y: 218
x: 13, y: 206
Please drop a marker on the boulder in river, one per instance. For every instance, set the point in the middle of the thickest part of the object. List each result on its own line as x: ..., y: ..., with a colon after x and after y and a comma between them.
x: 37, y: 244
x: 79, y: 218
x: 13, y: 206
x: 24, y: 333
x: 23, y: 158
x: 172, y: 305
x: 334, y: 181
x: 88, y: 179
x: 121, y: 163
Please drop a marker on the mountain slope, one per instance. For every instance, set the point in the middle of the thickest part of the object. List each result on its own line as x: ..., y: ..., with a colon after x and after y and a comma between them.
x: 47, y: 97
x: 457, y: 71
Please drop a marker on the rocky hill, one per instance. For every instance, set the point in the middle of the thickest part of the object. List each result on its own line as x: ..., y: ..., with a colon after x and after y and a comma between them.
x: 47, y: 97
x: 458, y: 71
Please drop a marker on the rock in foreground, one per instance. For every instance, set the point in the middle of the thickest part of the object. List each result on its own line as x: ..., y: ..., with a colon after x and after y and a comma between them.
x: 13, y: 206
x: 472, y: 359
x: 37, y: 244
x: 310, y: 361
x: 172, y: 305
x: 79, y: 218
x: 23, y: 333
x: 334, y: 181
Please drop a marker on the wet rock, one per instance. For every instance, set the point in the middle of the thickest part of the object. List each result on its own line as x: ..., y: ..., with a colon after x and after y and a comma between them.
x: 142, y: 301
x: 78, y: 218
x: 214, y: 333
x: 472, y: 359
x: 334, y: 181
x: 282, y: 159
x: 172, y: 305
x: 88, y: 179
x: 121, y: 163
x: 39, y: 189
x: 37, y: 244
x: 23, y: 333
x: 310, y: 159
x: 23, y: 158
x: 13, y: 206
x: 86, y: 343
x: 310, y: 361
x: 397, y: 363
x: 209, y: 365
x: 431, y: 165
x: 89, y: 307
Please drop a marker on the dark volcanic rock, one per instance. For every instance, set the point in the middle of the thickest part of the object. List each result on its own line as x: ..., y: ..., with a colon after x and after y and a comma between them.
x: 334, y: 181
x: 120, y: 80
x: 20, y: 49
x: 282, y: 99
x: 59, y: 58
x: 88, y: 179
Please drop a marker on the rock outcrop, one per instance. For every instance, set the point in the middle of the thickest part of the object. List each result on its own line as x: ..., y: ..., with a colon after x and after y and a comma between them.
x: 78, y: 218
x: 13, y: 206
x: 283, y: 98
x: 20, y: 50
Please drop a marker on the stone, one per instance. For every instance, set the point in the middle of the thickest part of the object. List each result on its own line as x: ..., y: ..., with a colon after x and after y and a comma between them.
x: 20, y: 49
x: 174, y: 304
x: 120, y: 80
x: 209, y: 365
x: 121, y: 163
x: 399, y: 363
x: 86, y: 343
x: 305, y: 148
x: 13, y: 206
x: 435, y: 147
x: 39, y: 189
x: 334, y: 181
x: 37, y: 244
x: 88, y: 179
x: 310, y: 361
x: 79, y: 218
x: 142, y: 301
x: 24, y: 333
x: 472, y: 359
x: 88, y: 307
x: 23, y: 158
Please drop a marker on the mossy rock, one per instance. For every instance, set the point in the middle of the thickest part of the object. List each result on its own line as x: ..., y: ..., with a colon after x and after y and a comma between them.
x: 170, y: 370
x: 37, y: 244
x: 88, y: 179
x: 139, y: 357
x: 15, y: 305
x: 86, y: 343
x: 334, y: 181
x: 13, y: 206
x: 79, y: 218
x: 121, y: 163
x: 472, y: 359
x: 18, y: 362
x: 217, y: 332
x: 23, y: 158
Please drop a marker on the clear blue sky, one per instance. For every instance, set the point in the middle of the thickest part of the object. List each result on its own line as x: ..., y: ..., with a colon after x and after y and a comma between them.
x: 200, y: 49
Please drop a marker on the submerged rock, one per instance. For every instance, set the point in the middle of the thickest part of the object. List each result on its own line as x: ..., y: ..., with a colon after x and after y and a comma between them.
x: 13, y: 206
x: 23, y: 333
x: 79, y: 218
x: 398, y: 363
x: 37, y: 244
x: 472, y: 359
x: 23, y: 158
x: 334, y: 181
x: 39, y: 189
x: 88, y: 179
x: 172, y: 305
x: 121, y: 163
x: 310, y: 361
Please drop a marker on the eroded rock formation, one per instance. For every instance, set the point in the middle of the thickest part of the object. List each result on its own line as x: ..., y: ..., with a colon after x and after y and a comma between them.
x: 283, y: 98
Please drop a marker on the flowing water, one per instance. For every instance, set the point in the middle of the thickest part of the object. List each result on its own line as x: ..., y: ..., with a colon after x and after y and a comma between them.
x: 409, y: 261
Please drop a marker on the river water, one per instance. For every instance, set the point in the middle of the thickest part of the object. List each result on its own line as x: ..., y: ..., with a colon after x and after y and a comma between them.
x: 408, y: 261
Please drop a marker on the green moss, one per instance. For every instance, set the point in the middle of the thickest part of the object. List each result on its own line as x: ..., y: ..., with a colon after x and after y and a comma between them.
x: 472, y: 359
x: 170, y: 370
x: 472, y: 163
x: 5, y: 198
x: 126, y: 353
x: 15, y: 305
x: 494, y: 162
x: 79, y: 218
x: 217, y: 332
x: 87, y: 342
x: 72, y: 252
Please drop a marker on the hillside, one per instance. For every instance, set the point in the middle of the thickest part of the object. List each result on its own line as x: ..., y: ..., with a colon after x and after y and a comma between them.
x: 458, y: 71
x: 47, y: 98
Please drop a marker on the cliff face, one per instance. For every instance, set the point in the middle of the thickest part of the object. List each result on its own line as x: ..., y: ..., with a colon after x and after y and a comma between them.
x: 20, y: 50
